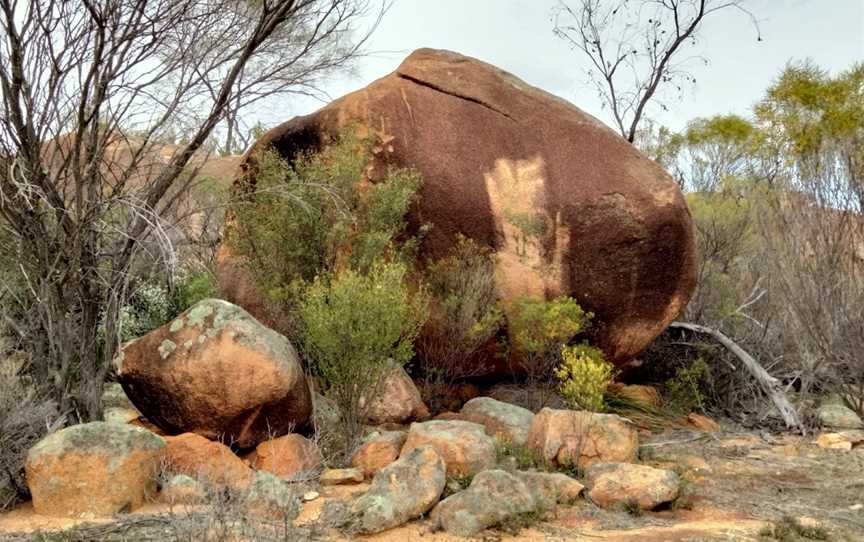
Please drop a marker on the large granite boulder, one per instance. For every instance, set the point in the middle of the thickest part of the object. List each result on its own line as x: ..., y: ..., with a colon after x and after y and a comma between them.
x: 93, y: 469
x: 567, y: 204
x: 217, y: 372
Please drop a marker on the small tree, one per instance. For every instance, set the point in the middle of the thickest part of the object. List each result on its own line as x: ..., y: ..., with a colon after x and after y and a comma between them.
x: 637, y: 48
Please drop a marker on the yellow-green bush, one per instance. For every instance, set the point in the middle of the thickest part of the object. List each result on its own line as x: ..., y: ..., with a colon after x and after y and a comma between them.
x: 584, y: 375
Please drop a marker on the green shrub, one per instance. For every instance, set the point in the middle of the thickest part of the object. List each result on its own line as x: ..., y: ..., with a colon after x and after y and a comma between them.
x: 463, y: 316
x: 684, y: 390
x: 356, y: 327
x: 584, y: 375
x: 191, y: 289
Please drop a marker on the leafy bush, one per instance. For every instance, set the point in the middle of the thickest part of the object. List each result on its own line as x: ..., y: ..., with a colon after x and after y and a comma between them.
x: 685, y: 390
x: 584, y: 374
x: 463, y: 316
x: 356, y: 326
x: 318, y: 215
x: 539, y: 330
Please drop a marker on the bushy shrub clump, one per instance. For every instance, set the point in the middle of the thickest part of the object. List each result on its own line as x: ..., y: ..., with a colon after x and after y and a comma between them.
x: 684, y: 391
x: 584, y: 375
x: 356, y: 327
x: 464, y: 315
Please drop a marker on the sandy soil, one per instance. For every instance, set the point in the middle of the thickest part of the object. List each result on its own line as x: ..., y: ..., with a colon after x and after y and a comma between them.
x: 735, y: 484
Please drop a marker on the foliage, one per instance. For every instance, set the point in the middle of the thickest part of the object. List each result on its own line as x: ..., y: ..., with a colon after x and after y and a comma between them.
x: 584, y: 374
x: 789, y: 529
x: 526, y: 458
x: 356, y: 327
x: 464, y: 315
x: 25, y: 417
x: 684, y: 390
x: 318, y: 215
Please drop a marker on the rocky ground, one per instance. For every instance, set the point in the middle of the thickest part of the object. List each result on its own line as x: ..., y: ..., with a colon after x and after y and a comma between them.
x: 737, y: 486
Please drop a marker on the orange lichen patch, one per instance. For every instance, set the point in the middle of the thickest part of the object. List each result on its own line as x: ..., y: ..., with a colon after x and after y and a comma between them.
x: 200, y: 458
x: 287, y: 456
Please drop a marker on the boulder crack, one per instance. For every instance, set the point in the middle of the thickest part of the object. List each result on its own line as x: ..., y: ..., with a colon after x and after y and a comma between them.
x: 460, y: 96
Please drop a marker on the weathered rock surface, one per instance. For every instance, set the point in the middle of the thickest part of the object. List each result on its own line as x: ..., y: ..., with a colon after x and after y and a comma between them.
x: 507, y: 422
x: 288, y: 457
x: 504, y: 162
x: 203, y: 459
x: 551, y: 488
x: 378, y: 451
x: 218, y: 372
x: 575, y: 437
x: 464, y: 447
x: 182, y: 489
x: 337, y: 477
x: 396, y: 400
x: 702, y: 423
x: 843, y: 440
x: 839, y: 417
x: 403, y: 491
x: 615, y: 483
x: 271, y: 497
x: 93, y: 469
x: 492, y: 497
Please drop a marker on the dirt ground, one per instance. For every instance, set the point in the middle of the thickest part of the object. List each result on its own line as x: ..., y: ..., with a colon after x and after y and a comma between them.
x: 736, y: 486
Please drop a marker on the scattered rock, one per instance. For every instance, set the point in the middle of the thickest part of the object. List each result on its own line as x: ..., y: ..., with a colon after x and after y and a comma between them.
x: 396, y: 400
x: 493, y: 497
x: 464, y: 446
x: 218, y: 372
x: 271, y: 497
x: 621, y: 204
x: 702, y: 423
x: 94, y: 468
x: 637, y: 393
x: 310, y: 496
x: 839, y: 417
x: 503, y: 420
x: 290, y: 457
x: 182, y: 489
x: 338, y: 477
x: 378, y: 451
x: 551, y: 488
x: 202, y: 459
x: 571, y: 437
x: 400, y: 492
x: 844, y: 440
x: 616, y: 483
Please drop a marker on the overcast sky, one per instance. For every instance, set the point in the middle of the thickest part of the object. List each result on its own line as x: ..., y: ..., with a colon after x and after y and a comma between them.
x: 516, y: 35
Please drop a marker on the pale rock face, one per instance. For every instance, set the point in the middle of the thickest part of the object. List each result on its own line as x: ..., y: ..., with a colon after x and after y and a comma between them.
x: 271, y: 497
x: 464, y: 447
x: 502, y: 420
x: 182, y: 489
x: 217, y: 372
x: 615, y: 483
x: 839, y: 416
x: 93, y: 469
x: 572, y: 437
x: 492, y: 497
x: 400, y: 492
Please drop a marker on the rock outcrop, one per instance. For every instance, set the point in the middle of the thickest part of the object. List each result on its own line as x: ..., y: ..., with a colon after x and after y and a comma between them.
x: 502, y: 420
x: 567, y: 204
x: 378, y: 451
x: 93, y: 469
x: 203, y: 459
x: 637, y: 485
x: 575, y: 437
x: 217, y: 372
x: 396, y: 400
x: 464, y: 447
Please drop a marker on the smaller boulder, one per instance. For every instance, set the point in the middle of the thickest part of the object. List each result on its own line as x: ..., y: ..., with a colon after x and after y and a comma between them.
x: 203, y: 459
x: 624, y: 483
x: 93, y: 469
x: 396, y: 400
x: 378, y: 451
x: 575, y: 437
x: 400, y: 492
x: 844, y: 440
x: 839, y: 417
x: 702, y: 423
x: 339, y: 477
x: 290, y: 457
x: 182, y: 489
x: 272, y: 498
x: 493, y: 497
x: 551, y: 488
x: 464, y: 446
x: 507, y: 422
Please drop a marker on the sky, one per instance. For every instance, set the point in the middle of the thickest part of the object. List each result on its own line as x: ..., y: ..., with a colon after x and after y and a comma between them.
x: 516, y: 35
